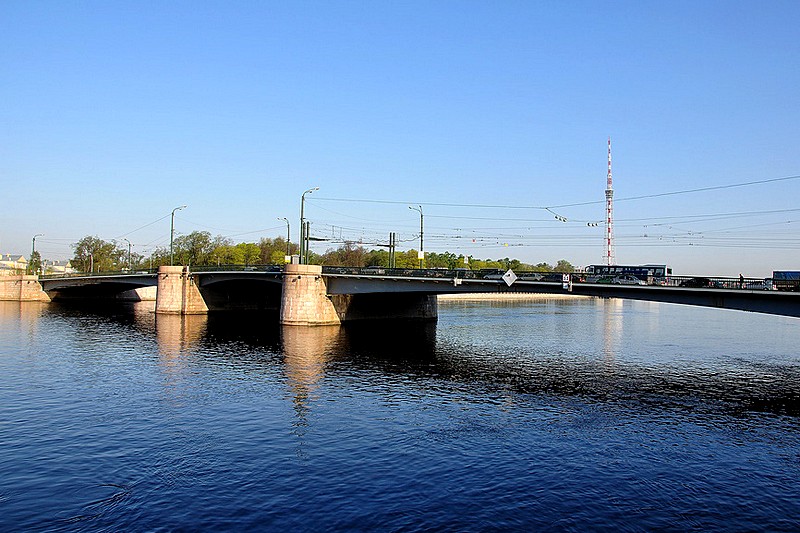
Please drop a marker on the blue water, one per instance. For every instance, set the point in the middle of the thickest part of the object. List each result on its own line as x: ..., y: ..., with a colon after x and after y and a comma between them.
x: 538, y: 416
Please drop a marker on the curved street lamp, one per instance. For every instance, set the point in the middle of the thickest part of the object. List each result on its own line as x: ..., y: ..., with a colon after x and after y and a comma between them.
x: 172, y: 232
x: 129, y: 253
x: 303, y: 236
x: 33, y: 249
x: 421, y: 250
x: 288, y: 236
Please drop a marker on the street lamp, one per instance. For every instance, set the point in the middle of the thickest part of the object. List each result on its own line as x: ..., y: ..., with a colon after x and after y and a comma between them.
x: 288, y: 236
x: 172, y: 232
x: 129, y: 253
x: 303, y: 236
x: 33, y: 249
x: 421, y: 250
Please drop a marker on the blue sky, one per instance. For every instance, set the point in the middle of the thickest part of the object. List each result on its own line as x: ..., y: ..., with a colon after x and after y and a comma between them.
x: 112, y: 114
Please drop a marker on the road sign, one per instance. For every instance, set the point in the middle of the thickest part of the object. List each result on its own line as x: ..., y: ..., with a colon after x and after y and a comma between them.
x: 509, y: 277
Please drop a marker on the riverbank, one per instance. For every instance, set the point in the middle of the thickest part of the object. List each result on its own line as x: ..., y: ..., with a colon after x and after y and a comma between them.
x: 501, y: 296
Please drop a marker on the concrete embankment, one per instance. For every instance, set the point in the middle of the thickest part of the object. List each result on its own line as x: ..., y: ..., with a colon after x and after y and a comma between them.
x: 22, y: 289
x: 505, y: 297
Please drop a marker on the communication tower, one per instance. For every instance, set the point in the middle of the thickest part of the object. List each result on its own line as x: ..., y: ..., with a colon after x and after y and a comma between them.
x: 609, y: 213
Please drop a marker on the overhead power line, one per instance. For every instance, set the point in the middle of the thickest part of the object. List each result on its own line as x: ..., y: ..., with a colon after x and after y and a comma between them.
x: 548, y: 207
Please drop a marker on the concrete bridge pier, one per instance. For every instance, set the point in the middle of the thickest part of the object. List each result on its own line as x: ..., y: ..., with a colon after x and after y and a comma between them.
x: 22, y: 288
x: 304, y: 299
x: 178, y: 293
x: 307, y: 301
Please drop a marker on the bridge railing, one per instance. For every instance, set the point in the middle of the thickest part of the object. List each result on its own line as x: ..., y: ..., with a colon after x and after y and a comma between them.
x: 237, y: 268
x: 697, y: 282
x: 104, y: 273
x: 461, y: 273
x: 553, y: 277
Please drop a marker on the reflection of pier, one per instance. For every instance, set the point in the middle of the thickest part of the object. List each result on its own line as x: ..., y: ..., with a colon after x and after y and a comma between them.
x: 26, y: 313
x: 177, y: 334
x: 612, y: 327
x: 306, y: 350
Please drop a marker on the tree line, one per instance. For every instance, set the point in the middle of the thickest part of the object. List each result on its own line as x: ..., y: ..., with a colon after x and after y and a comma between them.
x: 199, y: 248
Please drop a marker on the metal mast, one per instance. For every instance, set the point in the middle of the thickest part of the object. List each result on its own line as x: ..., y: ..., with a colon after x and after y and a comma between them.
x: 609, y: 213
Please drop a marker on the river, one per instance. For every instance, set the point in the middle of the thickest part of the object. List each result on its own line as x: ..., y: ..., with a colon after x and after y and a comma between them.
x: 540, y: 415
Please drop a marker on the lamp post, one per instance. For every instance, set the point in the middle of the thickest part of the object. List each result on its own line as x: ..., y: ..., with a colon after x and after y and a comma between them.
x: 288, y: 236
x: 421, y: 249
x: 172, y: 232
x: 303, y: 236
x: 129, y: 253
x: 33, y: 249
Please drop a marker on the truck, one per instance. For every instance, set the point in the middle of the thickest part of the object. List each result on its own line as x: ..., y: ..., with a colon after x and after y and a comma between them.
x: 786, y: 280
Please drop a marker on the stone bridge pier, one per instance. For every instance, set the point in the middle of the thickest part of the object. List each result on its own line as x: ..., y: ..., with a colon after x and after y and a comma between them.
x: 305, y: 299
x: 178, y: 293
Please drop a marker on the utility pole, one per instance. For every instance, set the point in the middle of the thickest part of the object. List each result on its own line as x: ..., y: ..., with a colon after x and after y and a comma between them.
x: 392, y: 244
x: 288, y: 236
x: 172, y: 232
x: 129, y: 253
x: 303, y: 234
x: 33, y: 250
x: 421, y: 254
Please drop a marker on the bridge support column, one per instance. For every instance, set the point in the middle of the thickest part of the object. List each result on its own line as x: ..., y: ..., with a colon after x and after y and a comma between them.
x: 305, y: 301
x: 22, y: 289
x: 178, y: 293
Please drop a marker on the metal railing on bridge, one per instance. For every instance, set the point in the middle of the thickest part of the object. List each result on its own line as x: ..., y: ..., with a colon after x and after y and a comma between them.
x: 103, y: 273
x: 693, y: 282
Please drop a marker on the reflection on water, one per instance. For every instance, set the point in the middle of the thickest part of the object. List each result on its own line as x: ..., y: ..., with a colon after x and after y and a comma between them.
x: 22, y: 315
x: 611, y: 313
x: 306, y: 351
x: 178, y: 334
x: 531, y: 415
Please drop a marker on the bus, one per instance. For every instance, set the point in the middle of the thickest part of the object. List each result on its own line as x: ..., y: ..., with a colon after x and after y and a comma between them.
x: 650, y: 274
x: 786, y: 280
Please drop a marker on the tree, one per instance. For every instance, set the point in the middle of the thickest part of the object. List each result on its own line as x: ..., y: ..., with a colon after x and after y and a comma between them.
x: 250, y: 253
x: 273, y: 251
x: 564, y: 266
x: 447, y: 260
x: 346, y: 255
x: 93, y: 254
x: 377, y: 258
x: 35, y: 263
x: 193, y: 249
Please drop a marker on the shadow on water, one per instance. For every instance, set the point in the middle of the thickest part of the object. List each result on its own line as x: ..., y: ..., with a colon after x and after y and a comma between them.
x: 414, y: 349
x: 411, y: 348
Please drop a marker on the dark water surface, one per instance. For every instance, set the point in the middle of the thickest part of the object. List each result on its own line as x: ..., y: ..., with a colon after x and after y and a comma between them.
x: 530, y: 416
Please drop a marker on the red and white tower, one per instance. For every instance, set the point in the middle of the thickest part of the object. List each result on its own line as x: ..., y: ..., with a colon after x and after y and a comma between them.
x: 609, y: 213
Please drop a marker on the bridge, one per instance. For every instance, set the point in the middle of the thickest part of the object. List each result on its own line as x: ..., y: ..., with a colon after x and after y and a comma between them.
x: 310, y: 294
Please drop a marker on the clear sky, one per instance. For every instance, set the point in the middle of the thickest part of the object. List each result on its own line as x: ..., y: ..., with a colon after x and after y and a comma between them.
x: 114, y: 113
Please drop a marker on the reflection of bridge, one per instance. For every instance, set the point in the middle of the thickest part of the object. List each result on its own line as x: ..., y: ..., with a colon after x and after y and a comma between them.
x: 309, y: 294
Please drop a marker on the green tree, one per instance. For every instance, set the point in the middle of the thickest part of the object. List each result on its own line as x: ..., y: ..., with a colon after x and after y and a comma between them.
x: 250, y: 253
x: 193, y: 249
x: 96, y: 255
x: 346, y: 255
x: 273, y: 251
x: 563, y: 266
x: 447, y: 260
x: 34, y: 263
x: 377, y: 258
x: 407, y: 259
